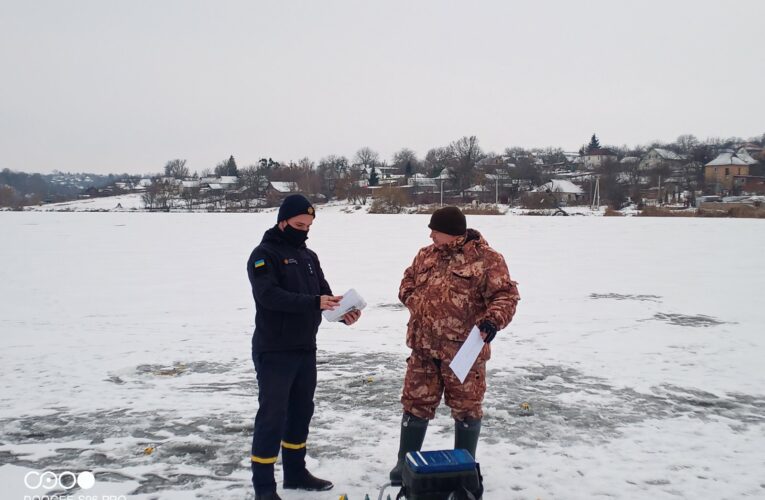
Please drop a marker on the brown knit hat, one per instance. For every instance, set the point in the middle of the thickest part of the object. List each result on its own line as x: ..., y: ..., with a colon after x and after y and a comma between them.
x: 449, y: 220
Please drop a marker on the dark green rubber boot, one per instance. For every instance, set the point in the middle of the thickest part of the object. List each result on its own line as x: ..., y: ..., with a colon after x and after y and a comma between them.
x: 466, y: 434
x: 412, y: 435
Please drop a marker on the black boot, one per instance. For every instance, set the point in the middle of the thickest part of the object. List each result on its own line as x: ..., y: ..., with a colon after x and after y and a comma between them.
x: 412, y: 435
x: 268, y: 496
x: 296, y: 476
x: 305, y: 481
x: 466, y: 434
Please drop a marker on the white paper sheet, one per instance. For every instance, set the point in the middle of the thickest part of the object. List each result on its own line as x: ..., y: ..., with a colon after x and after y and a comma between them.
x: 465, y: 358
x: 351, y: 301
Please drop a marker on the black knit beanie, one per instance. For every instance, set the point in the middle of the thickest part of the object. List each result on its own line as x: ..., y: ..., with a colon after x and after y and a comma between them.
x: 295, y: 204
x: 449, y: 220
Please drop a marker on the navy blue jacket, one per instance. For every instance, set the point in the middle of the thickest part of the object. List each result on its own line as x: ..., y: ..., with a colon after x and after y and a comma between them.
x: 287, y: 282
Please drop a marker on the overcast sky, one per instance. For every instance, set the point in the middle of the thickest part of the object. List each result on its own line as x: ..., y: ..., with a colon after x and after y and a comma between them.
x: 106, y: 86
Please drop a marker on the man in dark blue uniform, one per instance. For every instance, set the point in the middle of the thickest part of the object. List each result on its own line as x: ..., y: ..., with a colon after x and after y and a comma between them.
x: 290, y: 292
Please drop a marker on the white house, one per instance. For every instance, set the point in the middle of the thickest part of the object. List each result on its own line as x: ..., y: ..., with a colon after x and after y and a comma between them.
x: 597, y: 158
x: 659, y: 157
x: 563, y: 190
x: 284, y: 187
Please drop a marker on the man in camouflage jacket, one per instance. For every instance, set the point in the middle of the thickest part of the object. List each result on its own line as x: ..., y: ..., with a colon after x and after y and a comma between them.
x: 454, y: 284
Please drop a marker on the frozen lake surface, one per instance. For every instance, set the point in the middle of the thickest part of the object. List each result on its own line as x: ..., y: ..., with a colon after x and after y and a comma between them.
x: 638, y: 345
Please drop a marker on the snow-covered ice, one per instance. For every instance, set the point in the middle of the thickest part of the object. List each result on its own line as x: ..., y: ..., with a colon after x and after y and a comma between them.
x: 638, y: 345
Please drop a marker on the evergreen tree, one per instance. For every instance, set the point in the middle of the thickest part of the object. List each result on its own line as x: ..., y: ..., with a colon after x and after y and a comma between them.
x: 231, y: 168
x: 594, y: 144
x: 374, y: 180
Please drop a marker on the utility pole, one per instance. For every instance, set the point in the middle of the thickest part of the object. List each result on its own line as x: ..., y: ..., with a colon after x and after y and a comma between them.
x: 596, y: 195
x: 658, y: 195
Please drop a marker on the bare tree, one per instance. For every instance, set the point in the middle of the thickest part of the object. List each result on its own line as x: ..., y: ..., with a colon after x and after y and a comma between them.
x: 686, y: 143
x: 255, y: 179
x: 177, y: 169
x: 366, y: 157
x: 190, y: 196
x: 330, y: 169
x: 406, y: 161
x: 465, y: 153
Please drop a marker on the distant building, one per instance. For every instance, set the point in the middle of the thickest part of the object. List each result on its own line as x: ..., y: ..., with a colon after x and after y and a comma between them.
x: 660, y: 158
x: 753, y: 150
x: 283, y: 188
x: 229, y: 182
x: 746, y: 157
x: 719, y: 173
x: 597, y: 158
x: 629, y: 160
x: 749, y: 185
x: 420, y: 180
x: 187, y: 186
x: 564, y: 191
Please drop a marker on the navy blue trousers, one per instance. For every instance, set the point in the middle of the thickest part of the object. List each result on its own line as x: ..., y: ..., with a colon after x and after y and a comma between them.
x: 286, y: 385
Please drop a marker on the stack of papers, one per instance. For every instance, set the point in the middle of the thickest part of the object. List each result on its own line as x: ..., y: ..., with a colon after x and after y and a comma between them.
x: 352, y: 301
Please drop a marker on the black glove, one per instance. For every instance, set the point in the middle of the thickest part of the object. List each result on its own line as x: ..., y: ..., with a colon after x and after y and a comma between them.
x: 489, y: 328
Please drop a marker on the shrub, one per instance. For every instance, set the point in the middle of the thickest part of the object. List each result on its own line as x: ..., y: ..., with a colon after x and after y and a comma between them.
x: 535, y: 201
x: 389, y: 200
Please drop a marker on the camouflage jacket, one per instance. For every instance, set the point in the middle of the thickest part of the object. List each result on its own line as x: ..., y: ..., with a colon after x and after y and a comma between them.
x: 449, y: 290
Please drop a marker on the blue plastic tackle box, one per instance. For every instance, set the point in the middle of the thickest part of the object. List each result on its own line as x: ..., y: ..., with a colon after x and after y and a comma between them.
x: 434, y: 475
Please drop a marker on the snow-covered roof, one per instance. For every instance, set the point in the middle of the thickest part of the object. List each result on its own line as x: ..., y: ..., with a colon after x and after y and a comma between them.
x: 630, y: 159
x: 726, y: 159
x: 229, y: 179
x: 191, y: 184
x: 284, y: 187
x: 666, y: 154
x: 560, y: 186
x: 745, y: 156
x: 216, y: 185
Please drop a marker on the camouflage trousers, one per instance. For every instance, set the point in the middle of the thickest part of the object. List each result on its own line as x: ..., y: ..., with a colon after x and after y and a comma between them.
x: 428, y: 378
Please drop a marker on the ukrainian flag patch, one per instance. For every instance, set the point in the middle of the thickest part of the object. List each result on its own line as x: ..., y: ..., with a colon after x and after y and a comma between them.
x: 260, y: 263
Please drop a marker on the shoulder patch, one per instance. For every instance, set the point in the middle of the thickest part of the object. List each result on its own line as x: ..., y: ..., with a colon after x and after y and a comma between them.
x: 260, y: 266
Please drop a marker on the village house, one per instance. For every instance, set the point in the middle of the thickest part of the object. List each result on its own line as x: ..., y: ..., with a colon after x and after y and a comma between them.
x: 190, y: 186
x: 566, y: 192
x: 719, y: 173
x: 597, y: 158
x: 658, y: 158
x: 749, y: 185
x: 281, y: 188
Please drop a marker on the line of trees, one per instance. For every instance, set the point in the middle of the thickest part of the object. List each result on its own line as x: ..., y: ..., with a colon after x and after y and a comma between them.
x: 337, y: 176
x: 468, y: 165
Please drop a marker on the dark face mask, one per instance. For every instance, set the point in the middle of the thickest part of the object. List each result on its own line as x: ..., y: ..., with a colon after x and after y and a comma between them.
x: 294, y: 236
